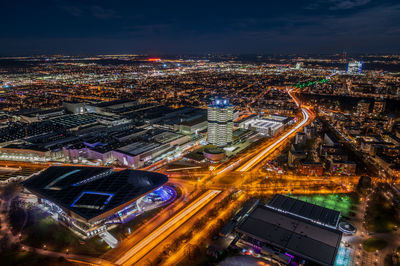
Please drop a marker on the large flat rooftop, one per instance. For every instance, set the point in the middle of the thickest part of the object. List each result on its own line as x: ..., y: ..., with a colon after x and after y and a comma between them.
x: 312, y: 212
x: 295, y: 235
x: 138, y: 147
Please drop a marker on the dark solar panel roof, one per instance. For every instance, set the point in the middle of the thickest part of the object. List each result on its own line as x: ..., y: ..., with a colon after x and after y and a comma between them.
x: 304, y: 209
x: 91, y: 191
x: 295, y: 235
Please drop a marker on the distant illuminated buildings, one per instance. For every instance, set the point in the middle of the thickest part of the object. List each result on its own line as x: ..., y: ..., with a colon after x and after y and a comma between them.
x: 379, y: 107
x: 299, y: 65
x: 220, y: 122
x: 363, y: 107
x: 354, y: 67
x: 390, y: 122
x: 154, y: 59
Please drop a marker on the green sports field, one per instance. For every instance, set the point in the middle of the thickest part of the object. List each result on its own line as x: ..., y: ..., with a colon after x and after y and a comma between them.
x: 343, y: 203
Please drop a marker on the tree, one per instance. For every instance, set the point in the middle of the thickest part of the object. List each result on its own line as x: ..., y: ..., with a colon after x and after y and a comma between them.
x: 4, y: 242
x: 9, y: 191
x: 189, y: 251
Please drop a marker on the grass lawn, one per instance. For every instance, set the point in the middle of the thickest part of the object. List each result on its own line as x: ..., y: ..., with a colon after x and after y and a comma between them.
x: 344, y: 203
x: 372, y: 244
x: 41, y: 230
x: 381, y: 215
x: 197, y: 155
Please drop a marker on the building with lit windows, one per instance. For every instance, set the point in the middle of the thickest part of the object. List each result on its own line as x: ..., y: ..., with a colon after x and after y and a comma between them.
x: 354, y: 67
x: 343, y: 167
x: 89, y: 200
x: 379, y: 107
x: 363, y: 107
x: 310, y: 168
x: 220, y: 122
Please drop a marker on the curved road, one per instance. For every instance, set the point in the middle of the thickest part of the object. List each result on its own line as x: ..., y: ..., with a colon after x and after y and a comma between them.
x: 306, y: 118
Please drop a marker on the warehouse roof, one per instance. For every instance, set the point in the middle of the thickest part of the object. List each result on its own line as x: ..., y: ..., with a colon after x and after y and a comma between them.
x: 297, y: 236
x: 312, y: 212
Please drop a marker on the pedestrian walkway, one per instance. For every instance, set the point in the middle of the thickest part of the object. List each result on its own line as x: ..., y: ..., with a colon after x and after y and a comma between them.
x: 109, y: 238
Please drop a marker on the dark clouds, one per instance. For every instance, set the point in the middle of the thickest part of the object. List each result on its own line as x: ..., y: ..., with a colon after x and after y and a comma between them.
x: 338, y: 4
x: 89, y: 27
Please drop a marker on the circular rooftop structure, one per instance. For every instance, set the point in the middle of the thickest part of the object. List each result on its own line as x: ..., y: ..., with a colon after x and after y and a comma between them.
x: 214, y: 154
x: 347, y: 228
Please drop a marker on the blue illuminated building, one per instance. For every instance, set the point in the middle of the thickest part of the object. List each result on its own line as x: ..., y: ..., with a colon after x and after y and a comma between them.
x: 90, y: 199
x: 354, y: 67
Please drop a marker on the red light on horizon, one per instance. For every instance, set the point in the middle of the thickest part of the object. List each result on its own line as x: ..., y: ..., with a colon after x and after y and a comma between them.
x: 154, y: 59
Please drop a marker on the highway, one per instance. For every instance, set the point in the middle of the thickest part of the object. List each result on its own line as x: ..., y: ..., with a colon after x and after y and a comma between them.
x: 252, y: 159
x: 202, y: 234
x: 138, y: 234
x: 306, y: 118
x: 248, y: 165
x: 152, y: 240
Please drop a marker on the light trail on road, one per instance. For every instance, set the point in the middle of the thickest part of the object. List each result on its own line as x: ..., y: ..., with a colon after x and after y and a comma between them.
x: 175, y: 258
x: 157, y: 236
x: 232, y: 166
x: 261, y: 155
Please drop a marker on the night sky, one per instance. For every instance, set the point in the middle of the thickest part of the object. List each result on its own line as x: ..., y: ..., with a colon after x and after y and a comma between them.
x: 198, y: 27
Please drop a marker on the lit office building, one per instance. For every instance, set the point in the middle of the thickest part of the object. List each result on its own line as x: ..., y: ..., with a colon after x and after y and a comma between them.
x: 220, y: 122
x: 354, y: 67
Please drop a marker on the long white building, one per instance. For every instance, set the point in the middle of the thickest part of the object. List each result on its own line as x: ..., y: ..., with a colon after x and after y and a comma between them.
x: 268, y: 126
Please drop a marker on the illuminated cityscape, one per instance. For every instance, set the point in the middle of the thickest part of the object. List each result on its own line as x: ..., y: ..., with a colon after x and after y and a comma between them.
x: 200, y: 134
